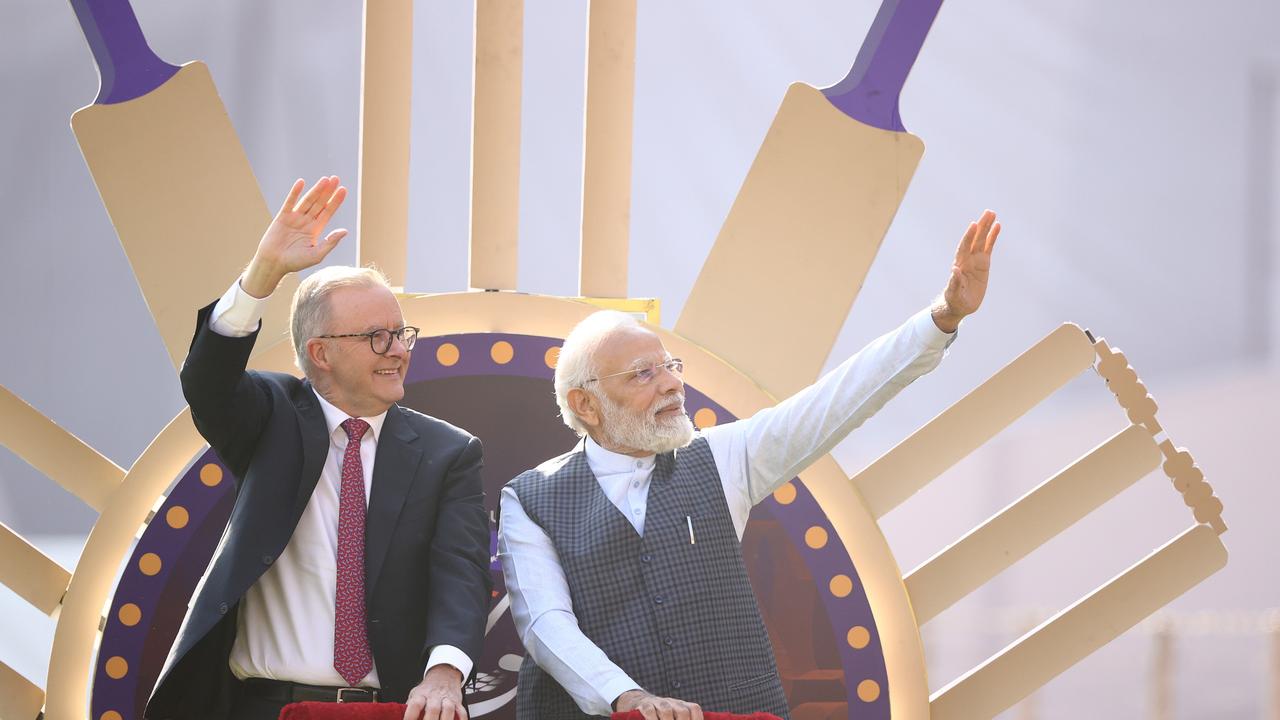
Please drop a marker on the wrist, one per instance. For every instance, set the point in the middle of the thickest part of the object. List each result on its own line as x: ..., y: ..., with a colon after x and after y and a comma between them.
x: 446, y: 671
x: 628, y: 700
x: 260, y: 280
x: 946, y: 320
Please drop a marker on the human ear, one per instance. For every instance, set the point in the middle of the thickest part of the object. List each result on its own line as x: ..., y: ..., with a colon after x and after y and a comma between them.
x: 583, y: 404
x: 318, y: 354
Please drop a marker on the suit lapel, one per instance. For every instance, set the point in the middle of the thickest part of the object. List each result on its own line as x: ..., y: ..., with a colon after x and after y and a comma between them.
x: 315, y: 447
x: 394, y: 467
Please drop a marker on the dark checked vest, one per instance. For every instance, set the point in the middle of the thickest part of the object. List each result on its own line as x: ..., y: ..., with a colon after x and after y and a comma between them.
x: 679, y: 618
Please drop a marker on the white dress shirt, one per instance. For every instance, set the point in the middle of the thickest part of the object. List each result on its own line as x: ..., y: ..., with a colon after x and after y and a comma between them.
x: 753, y: 456
x: 286, y: 621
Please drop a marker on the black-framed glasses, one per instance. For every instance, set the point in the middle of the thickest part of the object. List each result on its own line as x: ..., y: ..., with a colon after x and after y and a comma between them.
x: 380, y: 339
x: 645, y: 375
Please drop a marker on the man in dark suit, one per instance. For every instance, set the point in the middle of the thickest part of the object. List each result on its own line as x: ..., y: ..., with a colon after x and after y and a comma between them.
x: 355, y: 566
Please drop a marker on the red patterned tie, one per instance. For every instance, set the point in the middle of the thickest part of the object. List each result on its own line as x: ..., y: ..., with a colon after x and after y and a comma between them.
x: 351, y: 657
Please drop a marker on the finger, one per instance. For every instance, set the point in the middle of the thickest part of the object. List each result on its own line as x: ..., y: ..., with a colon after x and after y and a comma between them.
x: 413, y: 709
x: 666, y: 713
x: 984, y: 225
x: 695, y: 711
x: 292, y: 198
x: 332, y: 205
x: 447, y: 709
x: 648, y: 711
x: 307, y: 203
x: 461, y: 712
x: 433, y: 709
x: 966, y: 242
x: 991, y: 239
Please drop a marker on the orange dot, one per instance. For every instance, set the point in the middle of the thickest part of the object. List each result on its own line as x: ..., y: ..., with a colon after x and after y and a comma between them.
x: 786, y: 494
x: 868, y: 690
x: 705, y: 418
x: 552, y: 357
x: 447, y: 354
x: 815, y: 537
x: 841, y: 585
x: 110, y: 715
x: 129, y: 614
x: 502, y: 352
x: 210, y: 474
x: 859, y: 637
x: 149, y: 564
x: 117, y: 667
x: 177, y: 517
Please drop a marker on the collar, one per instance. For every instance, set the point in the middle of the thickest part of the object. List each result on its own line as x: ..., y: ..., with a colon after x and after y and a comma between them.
x: 607, y: 462
x: 333, y: 418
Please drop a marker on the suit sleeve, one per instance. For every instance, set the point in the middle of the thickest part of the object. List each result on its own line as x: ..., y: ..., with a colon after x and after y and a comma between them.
x: 229, y: 406
x: 460, y: 581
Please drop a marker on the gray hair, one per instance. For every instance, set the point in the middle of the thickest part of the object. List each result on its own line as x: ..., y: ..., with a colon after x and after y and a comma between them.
x: 576, y: 364
x: 309, y: 315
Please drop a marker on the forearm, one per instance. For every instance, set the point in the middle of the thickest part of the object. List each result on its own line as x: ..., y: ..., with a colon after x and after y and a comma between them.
x: 458, y: 566
x: 780, y: 442
x: 542, y: 610
x: 557, y: 644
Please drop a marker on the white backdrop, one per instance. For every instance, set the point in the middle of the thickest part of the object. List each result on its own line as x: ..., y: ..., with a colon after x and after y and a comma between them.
x: 1127, y: 146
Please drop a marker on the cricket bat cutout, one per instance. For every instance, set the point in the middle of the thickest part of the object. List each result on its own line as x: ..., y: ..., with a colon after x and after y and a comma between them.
x: 172, y: 175
x: 810, y: 216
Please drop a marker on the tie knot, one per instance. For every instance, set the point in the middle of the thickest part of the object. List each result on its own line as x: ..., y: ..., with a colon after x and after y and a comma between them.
x: 355, y: 428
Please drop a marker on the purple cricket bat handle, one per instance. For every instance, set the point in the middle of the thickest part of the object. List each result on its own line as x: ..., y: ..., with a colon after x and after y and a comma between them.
x: 126, y: 64
x: 870, y: 92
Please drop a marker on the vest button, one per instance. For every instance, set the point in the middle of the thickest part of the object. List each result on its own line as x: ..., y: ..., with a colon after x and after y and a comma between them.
x: 267, y: 559
x: 646, y: 557
x: 658, y: 599
x: 676, y: 684
x: 668, y: 641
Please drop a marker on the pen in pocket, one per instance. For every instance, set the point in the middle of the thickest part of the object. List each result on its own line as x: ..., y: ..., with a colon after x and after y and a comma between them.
x: 689, y: 519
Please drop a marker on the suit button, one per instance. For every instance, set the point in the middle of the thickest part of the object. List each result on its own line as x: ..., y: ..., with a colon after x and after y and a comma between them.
x: 658, y: 599
x: 222, y: 608
x: 267, y: 559
x: 668, y: 641
x: 676, y: 684
x: 646, y: 557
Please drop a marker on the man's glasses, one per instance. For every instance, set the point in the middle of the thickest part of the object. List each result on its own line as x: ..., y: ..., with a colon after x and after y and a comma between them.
x: 380, y: 339
x: 645, y: 375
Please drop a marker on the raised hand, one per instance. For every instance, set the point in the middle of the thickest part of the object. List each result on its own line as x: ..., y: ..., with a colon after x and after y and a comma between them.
x: 967, y: 285
x: 292, y: 241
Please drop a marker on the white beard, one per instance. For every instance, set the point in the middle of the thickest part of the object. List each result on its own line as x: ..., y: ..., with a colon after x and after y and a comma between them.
x: 623, y: 428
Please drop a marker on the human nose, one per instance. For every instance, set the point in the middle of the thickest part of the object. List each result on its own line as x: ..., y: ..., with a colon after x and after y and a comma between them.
x: 397, y: 347
x: 669, y: 381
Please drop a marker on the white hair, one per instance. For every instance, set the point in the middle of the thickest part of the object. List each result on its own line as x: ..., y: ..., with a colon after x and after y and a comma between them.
x: 576, y: 364
x: 309, y: 315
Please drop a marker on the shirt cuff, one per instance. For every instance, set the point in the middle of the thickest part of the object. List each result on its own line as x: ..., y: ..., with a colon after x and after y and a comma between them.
x: 237, y: 313
x: 449, y: 655
x: 615, y: 687
x: 929, y: 332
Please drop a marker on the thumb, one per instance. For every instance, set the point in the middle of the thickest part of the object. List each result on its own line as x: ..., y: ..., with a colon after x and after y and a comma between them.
x: 331, y: 241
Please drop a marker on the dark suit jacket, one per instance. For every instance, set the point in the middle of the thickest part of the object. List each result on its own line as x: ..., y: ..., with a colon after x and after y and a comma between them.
x: 427, y: 579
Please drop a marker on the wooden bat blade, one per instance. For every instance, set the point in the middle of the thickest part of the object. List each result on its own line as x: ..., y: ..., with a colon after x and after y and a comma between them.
x: 182, y: 197
x: 27, y: 571
x: 975, y: 418
x: 1078, y: 631
x: 1031, y: 521
x: 798, y: 241
x: 19, y: 697
x: 61, y: 456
